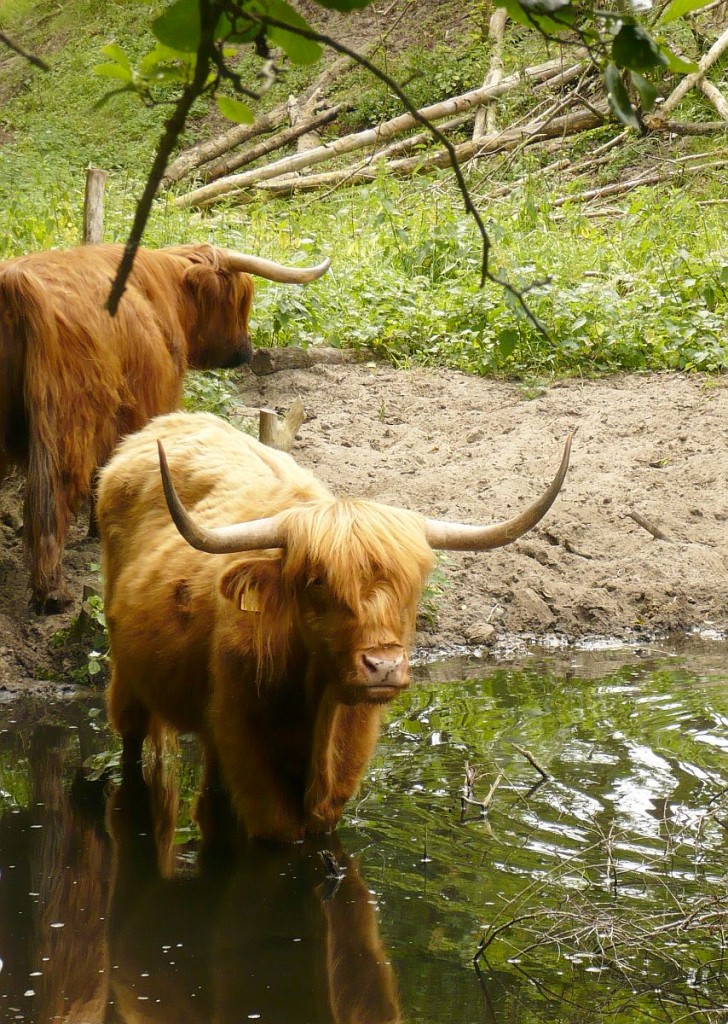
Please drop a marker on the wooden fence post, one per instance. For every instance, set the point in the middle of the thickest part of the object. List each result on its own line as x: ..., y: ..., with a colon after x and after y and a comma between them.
x: 93, y: 211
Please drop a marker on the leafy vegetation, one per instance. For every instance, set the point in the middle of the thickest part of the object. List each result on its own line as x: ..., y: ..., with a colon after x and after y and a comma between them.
x: 641, y: 286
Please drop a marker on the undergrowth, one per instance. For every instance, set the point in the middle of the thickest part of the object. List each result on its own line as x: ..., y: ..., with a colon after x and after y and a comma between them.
x: 642, y: 286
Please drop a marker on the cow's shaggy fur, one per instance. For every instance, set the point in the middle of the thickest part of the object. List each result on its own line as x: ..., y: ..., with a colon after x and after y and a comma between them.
x: 73, y: 380
x: 258, y: 652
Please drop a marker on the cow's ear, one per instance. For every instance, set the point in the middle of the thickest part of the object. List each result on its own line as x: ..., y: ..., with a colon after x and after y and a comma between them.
x: 252, y: 582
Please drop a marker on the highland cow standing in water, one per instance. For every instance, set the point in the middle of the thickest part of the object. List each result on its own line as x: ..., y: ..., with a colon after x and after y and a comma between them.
x: 278, y: 639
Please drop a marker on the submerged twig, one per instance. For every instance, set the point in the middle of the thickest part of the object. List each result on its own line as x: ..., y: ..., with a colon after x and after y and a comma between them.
x: 532, y: 760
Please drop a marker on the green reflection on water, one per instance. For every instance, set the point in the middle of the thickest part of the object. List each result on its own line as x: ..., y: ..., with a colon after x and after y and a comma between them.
x: 600, y: 894
x: 613, y: 871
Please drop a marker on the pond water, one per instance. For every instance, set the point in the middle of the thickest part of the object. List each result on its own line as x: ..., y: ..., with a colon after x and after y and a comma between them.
x: 592, y: 886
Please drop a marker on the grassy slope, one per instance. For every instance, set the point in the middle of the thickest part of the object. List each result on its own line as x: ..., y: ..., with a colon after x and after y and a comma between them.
x: 642, y: 287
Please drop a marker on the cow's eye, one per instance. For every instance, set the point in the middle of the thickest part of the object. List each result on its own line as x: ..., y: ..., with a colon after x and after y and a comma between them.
x: 316, y: 582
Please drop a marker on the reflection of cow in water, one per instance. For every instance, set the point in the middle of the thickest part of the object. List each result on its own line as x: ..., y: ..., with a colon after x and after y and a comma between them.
x: 261, y: 935
x: 73, y: 380
x: 54, y: 883
x: 280, y: 650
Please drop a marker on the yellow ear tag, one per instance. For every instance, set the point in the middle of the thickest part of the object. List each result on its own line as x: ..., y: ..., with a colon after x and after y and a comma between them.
x: 249, y: 601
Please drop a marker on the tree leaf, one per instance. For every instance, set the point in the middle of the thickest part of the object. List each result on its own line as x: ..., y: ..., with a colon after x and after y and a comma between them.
x: 536, y: 13
x: 678, y: 64
x: 116, y: 53
x: 678, y: 8
x: 114, y: 71
x: 235, y: 110
x: 618, y: 97
x: 647, y: 91
x: 633, y: 47
x: 160, y: 57
x: 298, y: 49
x: 179, y: 26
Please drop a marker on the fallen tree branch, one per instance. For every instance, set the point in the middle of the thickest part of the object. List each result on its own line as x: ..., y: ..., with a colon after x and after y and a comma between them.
x: 656, y: 532
x: 716, y: 97
x: 423, y: 163
x: 690, y: 81
x: 621, y: 187
x: 367, y: 139
x: 532, y: 760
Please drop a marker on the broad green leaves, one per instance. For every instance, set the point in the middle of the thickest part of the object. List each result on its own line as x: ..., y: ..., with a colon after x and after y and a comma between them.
x: 622, y: 43
x: 633, y: 47
x: 179, y: 26
x: 178, y: 29
x: 235, y: 110
x: 550, y: 16
x: 619, y: 99
x: 679, y: 8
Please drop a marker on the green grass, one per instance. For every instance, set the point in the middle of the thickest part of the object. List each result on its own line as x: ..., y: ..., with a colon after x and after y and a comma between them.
x: 643, y: 289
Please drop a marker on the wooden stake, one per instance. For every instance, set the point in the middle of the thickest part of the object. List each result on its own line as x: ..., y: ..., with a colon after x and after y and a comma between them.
x: 485, y: 121
x: 277, y: 433
x: 93, y: 212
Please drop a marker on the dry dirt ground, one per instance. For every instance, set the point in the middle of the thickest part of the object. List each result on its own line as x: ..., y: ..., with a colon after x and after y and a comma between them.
x: 476, y: 450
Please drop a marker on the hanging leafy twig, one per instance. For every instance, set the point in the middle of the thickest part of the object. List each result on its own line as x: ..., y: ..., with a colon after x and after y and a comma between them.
x: 198, y: 85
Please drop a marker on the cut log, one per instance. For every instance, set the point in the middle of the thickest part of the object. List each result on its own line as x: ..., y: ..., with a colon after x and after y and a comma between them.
x: 204, y: 152
x: 273, y: 360
x: 234, y: 161
x: 369, y: 138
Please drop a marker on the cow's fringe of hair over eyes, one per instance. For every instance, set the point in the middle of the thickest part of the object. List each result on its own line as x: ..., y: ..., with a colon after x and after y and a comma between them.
x: 355, y: 543
x: 368, y: 554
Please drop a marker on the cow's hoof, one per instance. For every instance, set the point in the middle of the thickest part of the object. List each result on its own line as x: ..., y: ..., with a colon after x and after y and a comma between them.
x: 52, y: 604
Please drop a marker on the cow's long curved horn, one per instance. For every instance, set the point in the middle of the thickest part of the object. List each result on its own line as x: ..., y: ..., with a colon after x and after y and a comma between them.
x: 460, y: 537
x: 272, y: 271
x: 222, y: 540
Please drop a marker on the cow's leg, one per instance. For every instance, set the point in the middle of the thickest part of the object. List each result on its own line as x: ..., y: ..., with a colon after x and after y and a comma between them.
x: 132, y: 719
x: 214, y: 811
x: 50, y: 594
x: 343, y: 741
x: 45, y: 523
x: 262, y: 803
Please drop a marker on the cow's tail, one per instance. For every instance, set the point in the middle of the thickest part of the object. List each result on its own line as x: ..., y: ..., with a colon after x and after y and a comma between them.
x: 29, y: 332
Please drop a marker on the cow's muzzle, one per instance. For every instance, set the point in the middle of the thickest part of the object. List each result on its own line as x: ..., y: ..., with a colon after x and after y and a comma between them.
x: 383, y: 672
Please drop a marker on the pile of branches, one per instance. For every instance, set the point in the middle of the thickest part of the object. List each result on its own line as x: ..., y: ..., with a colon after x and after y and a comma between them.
x: 568, y: 100
x: 586, y: 911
